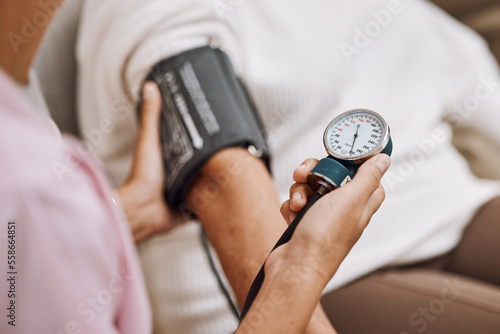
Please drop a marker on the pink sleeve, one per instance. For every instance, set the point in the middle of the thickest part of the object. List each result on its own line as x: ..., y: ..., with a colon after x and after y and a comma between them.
x: 76, y: 269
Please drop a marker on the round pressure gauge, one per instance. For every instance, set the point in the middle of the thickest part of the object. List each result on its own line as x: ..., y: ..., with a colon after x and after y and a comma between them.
x: 357, y: 135
x: 350, y: 139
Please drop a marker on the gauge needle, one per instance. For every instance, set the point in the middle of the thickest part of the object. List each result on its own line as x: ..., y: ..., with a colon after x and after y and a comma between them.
x: 355, y: 137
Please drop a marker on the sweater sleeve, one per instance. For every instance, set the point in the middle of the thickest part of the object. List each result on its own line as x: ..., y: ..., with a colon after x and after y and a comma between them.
x: 476, y: 105
x: 473, y: 91
x: 475, y: 112
x: 472, y: 95
x: 119, y: 42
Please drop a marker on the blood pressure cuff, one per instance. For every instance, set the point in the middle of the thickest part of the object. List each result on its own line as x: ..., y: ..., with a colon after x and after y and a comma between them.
x: 205, y: 109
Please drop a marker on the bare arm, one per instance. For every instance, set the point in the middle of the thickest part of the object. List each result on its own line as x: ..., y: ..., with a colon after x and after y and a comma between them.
x: 236, y: 201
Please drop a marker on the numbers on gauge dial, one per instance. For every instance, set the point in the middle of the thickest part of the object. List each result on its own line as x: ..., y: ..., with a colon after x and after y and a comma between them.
x: 355, y: 134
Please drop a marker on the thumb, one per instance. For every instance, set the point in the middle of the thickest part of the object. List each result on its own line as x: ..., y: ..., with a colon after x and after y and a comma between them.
x: 148, y: 141
x: 367, y: 179
x: 150, y: 114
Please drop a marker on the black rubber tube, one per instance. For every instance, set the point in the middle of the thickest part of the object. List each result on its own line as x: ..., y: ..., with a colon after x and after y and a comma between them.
x: 287, y: 235
x: 222, y: 286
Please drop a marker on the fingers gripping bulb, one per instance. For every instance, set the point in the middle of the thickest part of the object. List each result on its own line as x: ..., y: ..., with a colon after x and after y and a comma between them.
x: 328, y: 175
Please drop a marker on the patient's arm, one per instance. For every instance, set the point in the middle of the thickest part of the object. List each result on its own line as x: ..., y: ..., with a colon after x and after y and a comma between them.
x: 242, y: 220
x: 236, y: 201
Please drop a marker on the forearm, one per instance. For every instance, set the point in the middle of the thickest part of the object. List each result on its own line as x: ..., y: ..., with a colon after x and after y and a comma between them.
x: 238, y: 206
x: 287, y: 301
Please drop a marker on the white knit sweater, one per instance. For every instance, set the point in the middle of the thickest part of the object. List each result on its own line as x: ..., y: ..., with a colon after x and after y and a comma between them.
x: 304, y: 62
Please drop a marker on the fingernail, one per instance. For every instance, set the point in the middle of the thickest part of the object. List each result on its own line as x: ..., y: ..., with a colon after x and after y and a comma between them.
x: 383, y: 162
x: 148, y: 90
x: 297, y: 197
x: 302, y: 166
x: 292, y: 217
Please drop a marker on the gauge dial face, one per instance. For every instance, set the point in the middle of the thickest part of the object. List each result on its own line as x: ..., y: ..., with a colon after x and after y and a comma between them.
x: 356, y: 134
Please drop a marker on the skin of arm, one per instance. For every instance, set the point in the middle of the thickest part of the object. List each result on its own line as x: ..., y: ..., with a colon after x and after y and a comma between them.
x: 298, y: 271
x: 235, y: 199
x: 16, y: 56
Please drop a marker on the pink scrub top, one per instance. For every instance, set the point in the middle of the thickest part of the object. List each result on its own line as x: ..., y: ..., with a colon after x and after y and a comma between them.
x: 67, y: 260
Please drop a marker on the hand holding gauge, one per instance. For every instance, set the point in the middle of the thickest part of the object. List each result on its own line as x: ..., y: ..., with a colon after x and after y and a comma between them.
x: 350, y: 139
